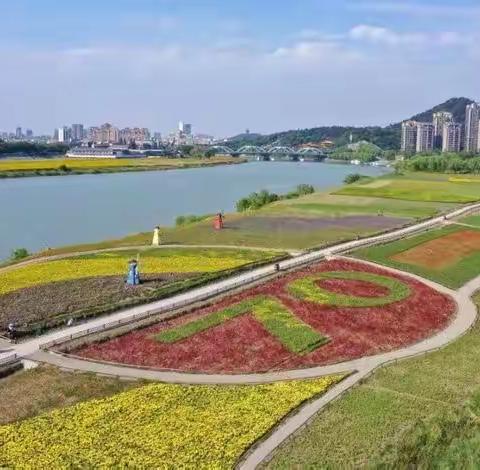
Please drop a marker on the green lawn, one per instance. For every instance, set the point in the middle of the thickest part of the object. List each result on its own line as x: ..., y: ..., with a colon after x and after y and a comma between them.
x: 416, y: 187
x: 471, y: 220
x: 334, y: 205
x: 454, y: 277
x: 386, y: 410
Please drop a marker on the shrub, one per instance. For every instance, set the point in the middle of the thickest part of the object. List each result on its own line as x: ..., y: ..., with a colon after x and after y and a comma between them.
x: 19, y: 253
x: 352, y: 178
x: 190, y: 219
x: 256, y: 200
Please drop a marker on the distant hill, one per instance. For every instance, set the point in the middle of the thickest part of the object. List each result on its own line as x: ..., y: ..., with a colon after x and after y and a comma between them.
x: 456, y: 106
x: 387, y: 138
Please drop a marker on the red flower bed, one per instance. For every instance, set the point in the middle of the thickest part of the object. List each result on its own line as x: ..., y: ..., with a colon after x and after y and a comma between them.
x: 353, y: 287
x: 243, y: 345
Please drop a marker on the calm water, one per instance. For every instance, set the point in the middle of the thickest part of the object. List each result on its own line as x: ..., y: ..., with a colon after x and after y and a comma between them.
x: 36, y: 213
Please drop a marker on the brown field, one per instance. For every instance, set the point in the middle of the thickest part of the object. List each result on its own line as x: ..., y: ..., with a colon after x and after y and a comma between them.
x: 442, y: 252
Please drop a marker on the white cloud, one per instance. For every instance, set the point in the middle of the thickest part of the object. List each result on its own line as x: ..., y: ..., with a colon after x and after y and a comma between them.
x: 381, y: 35
x: 385, y: 36
x: 417, y: 9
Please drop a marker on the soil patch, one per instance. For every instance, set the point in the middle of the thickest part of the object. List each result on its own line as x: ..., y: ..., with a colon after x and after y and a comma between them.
x: 442, y: 252
x: 305, y: 224
x: 37, y: 303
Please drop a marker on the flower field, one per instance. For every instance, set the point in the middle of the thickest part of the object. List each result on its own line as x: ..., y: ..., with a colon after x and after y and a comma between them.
x: 329, y: 312
x: 449, y: 255
x: 115, y: 263
x: 442, y: 252
x: 156, y: 426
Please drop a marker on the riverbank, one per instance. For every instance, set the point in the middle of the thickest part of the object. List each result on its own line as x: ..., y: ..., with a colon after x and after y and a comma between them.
x: 71, y: 166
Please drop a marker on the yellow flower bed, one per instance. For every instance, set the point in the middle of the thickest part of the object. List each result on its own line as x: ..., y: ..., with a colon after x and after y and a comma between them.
x: 85, y: 163
x: 115, y: 263
x: 156, y: 426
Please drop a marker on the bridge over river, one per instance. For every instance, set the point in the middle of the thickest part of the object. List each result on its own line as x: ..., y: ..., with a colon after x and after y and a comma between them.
x: 273, y: 153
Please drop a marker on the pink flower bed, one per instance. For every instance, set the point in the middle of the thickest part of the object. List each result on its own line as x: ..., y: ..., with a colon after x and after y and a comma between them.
x: 242, y: 345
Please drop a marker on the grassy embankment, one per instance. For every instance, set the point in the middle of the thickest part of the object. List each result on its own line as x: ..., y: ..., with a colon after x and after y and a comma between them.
x: 429, y: 187
x: 72, y: 166
x: 420, y: 413
x: 293, y: 224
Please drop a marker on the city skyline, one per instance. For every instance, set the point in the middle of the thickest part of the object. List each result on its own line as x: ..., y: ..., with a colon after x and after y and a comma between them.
x: 219, y: 63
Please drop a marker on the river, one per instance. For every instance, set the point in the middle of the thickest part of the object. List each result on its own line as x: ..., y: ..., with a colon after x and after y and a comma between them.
x: 41, y: 212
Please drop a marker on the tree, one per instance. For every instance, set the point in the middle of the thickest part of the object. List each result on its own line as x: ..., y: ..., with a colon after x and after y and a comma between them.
x: 19, y: 253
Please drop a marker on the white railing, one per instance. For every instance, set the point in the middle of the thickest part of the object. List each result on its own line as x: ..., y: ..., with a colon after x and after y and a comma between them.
x: 11, y: 359
x: 265, y: 272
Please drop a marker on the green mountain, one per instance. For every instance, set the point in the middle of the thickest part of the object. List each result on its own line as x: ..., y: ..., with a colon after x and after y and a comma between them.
x: 387, y: 138
x: 456, y: 106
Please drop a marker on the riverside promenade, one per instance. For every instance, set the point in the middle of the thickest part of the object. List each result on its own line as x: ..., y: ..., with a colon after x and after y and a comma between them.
x: 27, y: 348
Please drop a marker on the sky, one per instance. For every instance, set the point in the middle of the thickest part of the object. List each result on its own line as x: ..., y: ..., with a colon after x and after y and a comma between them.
x: 229, y: 65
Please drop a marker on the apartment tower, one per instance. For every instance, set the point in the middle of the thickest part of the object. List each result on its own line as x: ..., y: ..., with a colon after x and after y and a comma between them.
x: 439, y: 120
x: 425, y: 134
x: 409, y: 136
x: 472, y: 128
x: 452, y: 137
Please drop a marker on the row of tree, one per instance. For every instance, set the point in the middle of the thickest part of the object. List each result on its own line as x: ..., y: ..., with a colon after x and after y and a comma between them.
x: 450, y: 163
x: 259, y: 199
x: 31, y: 149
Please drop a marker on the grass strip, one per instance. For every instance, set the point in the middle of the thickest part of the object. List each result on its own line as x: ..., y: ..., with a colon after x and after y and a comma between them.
x: 295, y: 335
x: 306, y: 289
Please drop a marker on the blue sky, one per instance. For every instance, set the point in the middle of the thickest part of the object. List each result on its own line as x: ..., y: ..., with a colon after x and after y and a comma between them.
x: 228, y: 65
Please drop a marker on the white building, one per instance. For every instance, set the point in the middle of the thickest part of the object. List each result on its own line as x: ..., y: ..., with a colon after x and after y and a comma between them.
x: 409, y: 136
x: 425, y: 137
x: 439, y: 120
x: 472, y: 128
x: 452, y: 137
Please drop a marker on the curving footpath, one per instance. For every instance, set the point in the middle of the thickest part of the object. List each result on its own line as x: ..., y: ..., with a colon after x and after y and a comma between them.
x: 203, y: 293
x: 363, y: 367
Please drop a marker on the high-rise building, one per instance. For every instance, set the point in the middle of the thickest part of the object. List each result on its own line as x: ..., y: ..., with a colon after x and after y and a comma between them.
x: 63, y: 135
x: 472, y: 128
x: 184, y: 128
x: 425, y: 132
x: 18, y: 133
x: 439, y: 120
x: 137, y: 135
x: 105, y: 134
x: 452, y: 137
x: 29, y: 133
x: 77, y: 132
x: 409, y: 136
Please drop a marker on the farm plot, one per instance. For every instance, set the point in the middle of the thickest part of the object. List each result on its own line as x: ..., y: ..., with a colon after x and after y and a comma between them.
x: 450, y: 256
x: 330, y: 312
x: 165, y: 425
x: 90, y: 284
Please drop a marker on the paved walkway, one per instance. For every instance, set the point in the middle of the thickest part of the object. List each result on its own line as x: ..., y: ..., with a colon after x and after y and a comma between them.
x: 465, y: 319
x: 466, y: 316
x: 363, y: 367
x: 202, y: 293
